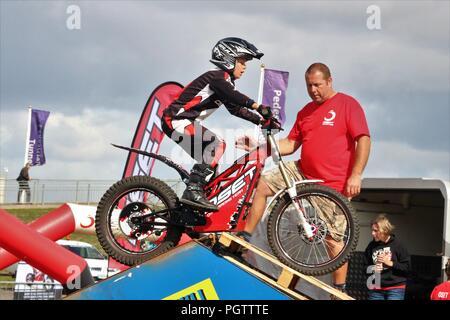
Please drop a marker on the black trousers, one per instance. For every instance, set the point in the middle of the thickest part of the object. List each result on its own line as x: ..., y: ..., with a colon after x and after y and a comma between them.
x: 200, y: 143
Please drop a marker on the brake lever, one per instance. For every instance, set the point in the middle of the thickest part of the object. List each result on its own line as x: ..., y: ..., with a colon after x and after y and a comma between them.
x: 270, y: 124
x: 275, y: 120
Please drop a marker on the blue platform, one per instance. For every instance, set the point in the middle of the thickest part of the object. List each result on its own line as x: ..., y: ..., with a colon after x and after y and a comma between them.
x: 188, y: 272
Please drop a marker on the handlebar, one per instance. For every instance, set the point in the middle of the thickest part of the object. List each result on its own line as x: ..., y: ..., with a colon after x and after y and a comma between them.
x: 271, y: 124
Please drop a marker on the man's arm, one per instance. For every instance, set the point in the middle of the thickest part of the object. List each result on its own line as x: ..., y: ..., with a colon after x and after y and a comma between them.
x: 287, y: 146
x: 353, y: 187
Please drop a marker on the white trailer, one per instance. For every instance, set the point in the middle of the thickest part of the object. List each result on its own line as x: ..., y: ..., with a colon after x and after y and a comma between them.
x: 420, y: 210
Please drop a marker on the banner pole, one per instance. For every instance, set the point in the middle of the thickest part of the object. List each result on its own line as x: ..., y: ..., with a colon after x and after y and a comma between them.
x: 261, y: 84
x: 258, y: 134
x: 27, y: 140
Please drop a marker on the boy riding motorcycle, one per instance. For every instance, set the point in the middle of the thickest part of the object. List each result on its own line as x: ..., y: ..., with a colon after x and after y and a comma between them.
x: 200, y: 98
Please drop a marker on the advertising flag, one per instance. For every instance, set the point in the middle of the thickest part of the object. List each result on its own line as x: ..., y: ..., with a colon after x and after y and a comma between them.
x: 274, y: 92
x: 149, y: 134
x: 148, y: 137
x: 36, y: 138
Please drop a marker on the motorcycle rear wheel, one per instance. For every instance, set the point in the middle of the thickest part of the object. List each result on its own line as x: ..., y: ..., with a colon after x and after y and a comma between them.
x: 125, y: 241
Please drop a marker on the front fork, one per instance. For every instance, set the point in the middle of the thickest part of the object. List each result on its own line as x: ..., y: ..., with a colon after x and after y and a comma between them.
x: 291, y: 188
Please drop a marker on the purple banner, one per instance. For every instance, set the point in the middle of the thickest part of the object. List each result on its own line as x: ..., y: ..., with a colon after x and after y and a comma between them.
x: 274, y: 92
x: 36, y: 140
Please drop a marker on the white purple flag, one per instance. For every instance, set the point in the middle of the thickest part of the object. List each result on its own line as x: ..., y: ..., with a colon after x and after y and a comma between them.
x: 274, y: 92
x: 36, y: 154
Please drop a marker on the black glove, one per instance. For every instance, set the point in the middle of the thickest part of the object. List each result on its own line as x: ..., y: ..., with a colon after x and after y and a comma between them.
x: 272, y: 124
x: 264, y: 111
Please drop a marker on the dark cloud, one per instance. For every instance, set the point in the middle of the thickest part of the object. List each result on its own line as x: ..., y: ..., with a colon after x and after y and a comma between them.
x: 421, y: 121
x: 400, y: 73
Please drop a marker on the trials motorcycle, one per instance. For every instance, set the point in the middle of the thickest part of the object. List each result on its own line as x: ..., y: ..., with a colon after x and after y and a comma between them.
x: 140, y: 217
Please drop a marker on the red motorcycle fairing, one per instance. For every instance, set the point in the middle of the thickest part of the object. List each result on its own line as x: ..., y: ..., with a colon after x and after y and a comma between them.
x: 231, y: 191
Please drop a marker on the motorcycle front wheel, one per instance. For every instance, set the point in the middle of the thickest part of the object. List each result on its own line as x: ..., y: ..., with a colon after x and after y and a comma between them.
x: 335, y: 230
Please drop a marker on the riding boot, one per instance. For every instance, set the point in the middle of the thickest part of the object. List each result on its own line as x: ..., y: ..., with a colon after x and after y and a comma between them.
x: 194, y: 194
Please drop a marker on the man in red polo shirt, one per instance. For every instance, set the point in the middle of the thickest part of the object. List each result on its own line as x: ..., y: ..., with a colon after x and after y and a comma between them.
x: 335, y: 140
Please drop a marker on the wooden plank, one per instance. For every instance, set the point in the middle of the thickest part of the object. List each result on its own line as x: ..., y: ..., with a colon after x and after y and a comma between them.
x: 287, y: 279
x: 265, y: 278
x: 226, y: 241
x: 229, y: 238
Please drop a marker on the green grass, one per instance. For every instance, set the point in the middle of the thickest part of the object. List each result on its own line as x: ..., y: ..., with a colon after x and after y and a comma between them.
x: 6, y: 278
x: 28, y: 215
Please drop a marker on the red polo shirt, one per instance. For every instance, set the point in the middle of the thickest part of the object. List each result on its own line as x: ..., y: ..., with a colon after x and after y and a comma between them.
x: 328, y: 133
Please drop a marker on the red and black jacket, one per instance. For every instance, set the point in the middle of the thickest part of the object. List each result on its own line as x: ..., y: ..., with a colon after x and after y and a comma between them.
x: 205, y: 94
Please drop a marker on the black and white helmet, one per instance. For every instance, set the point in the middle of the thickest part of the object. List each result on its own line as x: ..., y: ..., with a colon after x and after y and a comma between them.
x: 226, y: 51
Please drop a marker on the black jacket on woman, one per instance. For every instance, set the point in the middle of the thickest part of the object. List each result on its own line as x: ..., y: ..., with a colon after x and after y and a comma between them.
x: 397, y: 274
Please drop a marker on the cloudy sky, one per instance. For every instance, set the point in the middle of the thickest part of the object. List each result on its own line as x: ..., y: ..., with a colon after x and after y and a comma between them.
x: 96, y: 79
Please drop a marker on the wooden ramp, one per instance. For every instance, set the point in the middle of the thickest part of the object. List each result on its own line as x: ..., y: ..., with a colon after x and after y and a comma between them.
x: 288, y: 278
x: 203, y: 269
x: 190, y: 271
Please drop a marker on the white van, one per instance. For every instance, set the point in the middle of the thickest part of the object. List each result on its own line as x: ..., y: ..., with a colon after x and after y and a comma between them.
x: 98, y: 263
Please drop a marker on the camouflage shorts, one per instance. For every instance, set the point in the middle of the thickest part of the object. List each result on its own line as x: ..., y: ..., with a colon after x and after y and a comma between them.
x: 327, y: 210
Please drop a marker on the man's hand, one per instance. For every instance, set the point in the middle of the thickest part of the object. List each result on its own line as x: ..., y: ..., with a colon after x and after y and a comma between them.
x: 353, y: 187
x: 245, y: 143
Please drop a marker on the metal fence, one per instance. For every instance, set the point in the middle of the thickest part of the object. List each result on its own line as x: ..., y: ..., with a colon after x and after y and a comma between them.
x: 62, y: 191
